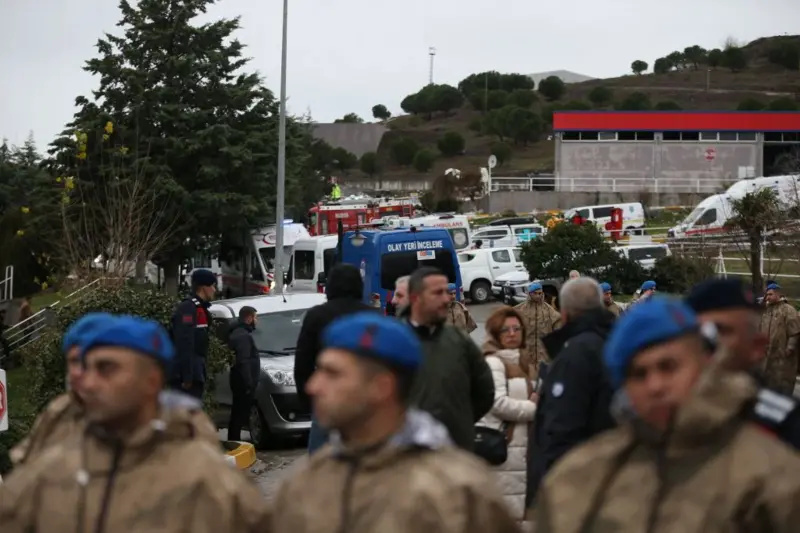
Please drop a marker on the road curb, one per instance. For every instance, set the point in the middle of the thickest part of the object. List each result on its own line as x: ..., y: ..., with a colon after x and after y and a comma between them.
x: 242, y: 455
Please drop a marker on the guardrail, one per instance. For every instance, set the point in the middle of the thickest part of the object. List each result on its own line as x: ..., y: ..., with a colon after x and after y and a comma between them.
x: 603, y: 184
x: 7, y: 285
x: 26, y: 331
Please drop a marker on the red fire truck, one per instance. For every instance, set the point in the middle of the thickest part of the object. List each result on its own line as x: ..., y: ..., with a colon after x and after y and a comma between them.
x: 323, y: 218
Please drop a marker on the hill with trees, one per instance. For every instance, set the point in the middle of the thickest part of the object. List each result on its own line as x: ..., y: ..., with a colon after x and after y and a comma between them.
x: 460, y: 125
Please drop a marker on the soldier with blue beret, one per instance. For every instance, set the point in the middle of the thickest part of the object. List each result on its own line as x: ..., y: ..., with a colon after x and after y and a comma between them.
x: 380, y: 448
x: 732, y: 307
x: 682, y: 427
x: 64, y: 414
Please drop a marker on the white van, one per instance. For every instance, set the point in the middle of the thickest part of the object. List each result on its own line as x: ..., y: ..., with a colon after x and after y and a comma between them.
x: 248, y: 268
x: 456, y: 225
x: 713, y: 213
x: 504, y: 236
x: 632, y: 214
x: 312, y: 257
x: 644, y: 254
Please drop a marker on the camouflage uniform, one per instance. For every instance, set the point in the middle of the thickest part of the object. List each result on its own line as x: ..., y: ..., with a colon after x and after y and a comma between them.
x: 540, y: 319
x: 459, y: 317
x: 614, y: 309
x: 780, y: 323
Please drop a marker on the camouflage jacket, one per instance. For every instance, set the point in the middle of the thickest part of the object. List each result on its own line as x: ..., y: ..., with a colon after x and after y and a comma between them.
x: 540, y: 320
x: 459, y: 317
x: 628, y: 479
x: 780, y: 322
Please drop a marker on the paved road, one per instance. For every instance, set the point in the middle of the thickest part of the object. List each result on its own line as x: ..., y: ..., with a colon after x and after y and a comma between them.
x: 274, y: 465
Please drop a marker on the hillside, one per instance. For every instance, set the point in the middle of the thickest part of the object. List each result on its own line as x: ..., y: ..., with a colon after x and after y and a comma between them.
x: 748, y: 72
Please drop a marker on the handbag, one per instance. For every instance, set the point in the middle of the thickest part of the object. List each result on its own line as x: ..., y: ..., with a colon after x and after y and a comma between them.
x: 492, y: 444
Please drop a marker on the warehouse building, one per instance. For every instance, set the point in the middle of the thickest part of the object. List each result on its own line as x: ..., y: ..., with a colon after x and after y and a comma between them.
x: 669, y: 151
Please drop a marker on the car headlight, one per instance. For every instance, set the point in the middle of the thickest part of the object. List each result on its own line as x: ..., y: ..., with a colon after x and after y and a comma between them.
x: 281, y: 377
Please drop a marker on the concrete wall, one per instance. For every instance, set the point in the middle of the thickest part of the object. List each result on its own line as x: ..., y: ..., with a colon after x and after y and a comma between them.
x: 355, y: 138
x: 656, y: 166
x: 523, y: 201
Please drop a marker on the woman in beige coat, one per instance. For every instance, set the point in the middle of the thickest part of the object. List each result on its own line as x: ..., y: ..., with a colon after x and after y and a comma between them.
x: 514, y: 400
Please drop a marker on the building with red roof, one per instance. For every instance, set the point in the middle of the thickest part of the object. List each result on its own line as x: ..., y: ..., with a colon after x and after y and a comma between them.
x: 669, y: 151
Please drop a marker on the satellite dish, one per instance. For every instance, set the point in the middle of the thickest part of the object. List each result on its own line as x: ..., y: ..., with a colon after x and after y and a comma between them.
x: 492, y: 161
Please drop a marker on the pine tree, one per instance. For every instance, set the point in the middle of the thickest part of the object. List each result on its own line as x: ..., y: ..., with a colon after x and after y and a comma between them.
x: 187, y: 118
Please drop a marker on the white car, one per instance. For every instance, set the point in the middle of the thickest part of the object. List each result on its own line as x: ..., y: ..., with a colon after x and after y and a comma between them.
x: 277, y: 409
x: 479, y: 269
x: 506, y: 285
x: 644, y: 254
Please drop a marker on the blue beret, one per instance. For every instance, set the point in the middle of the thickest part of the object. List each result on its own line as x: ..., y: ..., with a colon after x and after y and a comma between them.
x: 86, y: 325
x: 648, y: 285
x: 451, y: 287
x: 203, y: 278
x: 373, y: 335
x: 605, y: 286
x: 717, y: 294
x: 135, y: 333
x: 773, y: 287
x: 651, y: 322
x: 535, y: 286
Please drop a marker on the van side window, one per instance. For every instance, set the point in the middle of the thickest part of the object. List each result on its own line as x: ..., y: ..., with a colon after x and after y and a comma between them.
x: 304, y: 264
x: 501, y: 256
x: 584, y: 213
x: 600, y: 212
x: 255, y: 268
x: 517, y: 255
x: 709, y: 217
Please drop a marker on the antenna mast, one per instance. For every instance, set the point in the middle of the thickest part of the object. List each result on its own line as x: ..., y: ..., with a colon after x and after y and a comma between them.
x: 432, y: 53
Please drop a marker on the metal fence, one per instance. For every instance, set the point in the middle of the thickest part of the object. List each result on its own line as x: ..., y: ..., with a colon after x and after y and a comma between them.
x: 604, y: 184
x: 26, y: 331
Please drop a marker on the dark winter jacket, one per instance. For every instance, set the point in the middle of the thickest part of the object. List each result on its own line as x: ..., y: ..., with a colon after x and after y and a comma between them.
x: 344, y: 291
x: 247, y: 366
x: 575, y: 395
x: 454, y: 383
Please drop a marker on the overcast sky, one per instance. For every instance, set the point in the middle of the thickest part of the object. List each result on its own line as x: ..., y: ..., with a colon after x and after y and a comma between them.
x: 347, y: 55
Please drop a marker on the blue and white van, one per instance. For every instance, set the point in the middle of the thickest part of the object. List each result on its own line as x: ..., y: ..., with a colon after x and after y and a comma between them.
x: 384, y: 256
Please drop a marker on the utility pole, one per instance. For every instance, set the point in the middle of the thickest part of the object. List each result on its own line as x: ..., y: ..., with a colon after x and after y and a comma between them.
x: 279, y: 209
x: 432, y: 53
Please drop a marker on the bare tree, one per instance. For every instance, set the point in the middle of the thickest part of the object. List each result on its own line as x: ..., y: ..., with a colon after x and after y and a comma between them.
x: 117, y: 219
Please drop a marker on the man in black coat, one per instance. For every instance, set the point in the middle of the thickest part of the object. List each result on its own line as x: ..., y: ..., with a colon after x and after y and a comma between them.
x: 575, y: 393
x: 245, y: 371
x: 344, y: 290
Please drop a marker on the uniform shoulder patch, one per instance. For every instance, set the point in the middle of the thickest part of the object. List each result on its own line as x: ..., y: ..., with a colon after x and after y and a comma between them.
x: 187, y: 319
x: 773, y: 407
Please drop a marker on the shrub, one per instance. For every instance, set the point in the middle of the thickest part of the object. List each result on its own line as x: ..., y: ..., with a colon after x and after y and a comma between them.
x: 423, y: 160
x: 502, y: 151
x: 677, y: 274
x: 44, y: 359
x: 451, y: 144
x: 523, y: 98
x: 403, y: 150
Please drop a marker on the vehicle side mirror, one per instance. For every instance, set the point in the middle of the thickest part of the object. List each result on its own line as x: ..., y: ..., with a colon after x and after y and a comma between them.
x: 322, y: 278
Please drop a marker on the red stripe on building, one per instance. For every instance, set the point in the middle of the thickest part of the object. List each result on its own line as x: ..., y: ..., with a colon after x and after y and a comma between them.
x: 675, y: 121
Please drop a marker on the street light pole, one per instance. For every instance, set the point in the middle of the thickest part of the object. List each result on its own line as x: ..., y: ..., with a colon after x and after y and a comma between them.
x: 279, y: 209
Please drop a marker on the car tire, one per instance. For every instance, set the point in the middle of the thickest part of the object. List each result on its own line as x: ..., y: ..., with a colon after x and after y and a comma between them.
x: 260, y: 434
x: 480, y: 292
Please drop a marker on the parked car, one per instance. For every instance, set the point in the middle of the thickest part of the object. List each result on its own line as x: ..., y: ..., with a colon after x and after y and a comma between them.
x: 645, y: 254
x: 479, y: 269
x: 277, y: 410
x: 515, y: 290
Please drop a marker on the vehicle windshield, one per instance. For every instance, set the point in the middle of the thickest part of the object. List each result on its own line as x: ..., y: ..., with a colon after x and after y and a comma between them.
x: 276, y: 333
x: 394, y: 265
x: 693, y: 215
x: 268, y: 257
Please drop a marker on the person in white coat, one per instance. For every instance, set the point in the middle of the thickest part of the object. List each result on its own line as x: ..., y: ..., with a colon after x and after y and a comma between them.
x: 514, y: 400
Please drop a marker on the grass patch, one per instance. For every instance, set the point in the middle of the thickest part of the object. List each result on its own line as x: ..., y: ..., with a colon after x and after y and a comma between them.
x: 44, y: 299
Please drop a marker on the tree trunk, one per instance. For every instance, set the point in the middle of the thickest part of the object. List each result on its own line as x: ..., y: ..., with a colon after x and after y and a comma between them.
x: 755, y: 263
x: 171, y: 269
x: 140, y: 272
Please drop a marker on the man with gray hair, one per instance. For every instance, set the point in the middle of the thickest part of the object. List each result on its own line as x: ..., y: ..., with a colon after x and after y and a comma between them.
x: 575, y: 394
x: 399, y: 301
